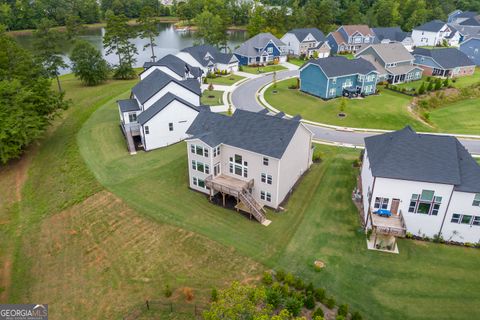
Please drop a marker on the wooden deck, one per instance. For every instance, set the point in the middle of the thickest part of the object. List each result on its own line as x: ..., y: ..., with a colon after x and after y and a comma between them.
x: 227, y: 184
x: 393, y: 225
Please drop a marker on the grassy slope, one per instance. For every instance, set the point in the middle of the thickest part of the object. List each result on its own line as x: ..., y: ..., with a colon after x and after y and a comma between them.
x: 461, y: 82
x: 386, y: 111
x: 225, y: 80
x: 459, y: 117
x: 215, y: 101
x: 426, y: 281
x: 265, y: 69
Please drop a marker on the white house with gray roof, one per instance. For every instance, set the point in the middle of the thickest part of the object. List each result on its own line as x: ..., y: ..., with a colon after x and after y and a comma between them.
x: 305, y: 42
x: 174, y: 67
x: 423, y: 184
x: 435, y: 33
x: 254, y: 158
x: 159, y: 111
x: 392, y: 35
x: 209, y: 59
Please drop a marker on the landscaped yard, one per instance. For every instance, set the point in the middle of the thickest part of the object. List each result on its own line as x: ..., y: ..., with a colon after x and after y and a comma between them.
x: 385, y: 111
x: 426, y: 281
x: 225, y: 80
x: 459, y: 117
x: 297, y: 61
x: 265, y: 69
x: 212, y: 98
x: 461, y: 82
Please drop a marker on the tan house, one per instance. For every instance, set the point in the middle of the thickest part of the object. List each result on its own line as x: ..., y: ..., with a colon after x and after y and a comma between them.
x: 253, y: 158
x: 306, y: 42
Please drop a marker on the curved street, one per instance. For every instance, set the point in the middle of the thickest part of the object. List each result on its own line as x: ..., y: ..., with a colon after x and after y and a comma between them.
x: 244, y: 96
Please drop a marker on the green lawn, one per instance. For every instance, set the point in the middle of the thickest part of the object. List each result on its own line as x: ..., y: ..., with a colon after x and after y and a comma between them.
x: 426, y: 281
x: 461, y: 82
x: 265, y: 69
x: 212, y: 98
x: 297, y: 61
x: 347, y: 55
x: 225, y: 80
x: 459, y: 117
x: 385, y: 111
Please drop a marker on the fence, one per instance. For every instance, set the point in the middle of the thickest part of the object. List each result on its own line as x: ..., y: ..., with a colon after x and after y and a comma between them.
x: 164, y: 309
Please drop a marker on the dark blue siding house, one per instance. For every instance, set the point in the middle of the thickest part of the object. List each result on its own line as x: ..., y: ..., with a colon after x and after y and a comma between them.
x: 333, y: 77
x: 261, y: 49
x: 471, y: 47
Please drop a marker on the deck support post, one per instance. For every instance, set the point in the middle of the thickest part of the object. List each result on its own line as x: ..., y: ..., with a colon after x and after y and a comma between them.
x: 223, y: 196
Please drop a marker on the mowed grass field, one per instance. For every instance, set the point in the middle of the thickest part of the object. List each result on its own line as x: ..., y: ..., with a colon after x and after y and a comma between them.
x: 388, y: 110
x: 212, y: 98
x: 458, y: 117
x: 264, y: 69
x: 425, y: 281
x: 225, y: 80
x: 82, y: 250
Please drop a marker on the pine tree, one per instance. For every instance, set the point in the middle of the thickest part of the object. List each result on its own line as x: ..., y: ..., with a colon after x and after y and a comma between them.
x: 148, y: 29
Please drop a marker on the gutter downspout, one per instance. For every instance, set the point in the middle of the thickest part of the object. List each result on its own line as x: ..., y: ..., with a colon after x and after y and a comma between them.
x: 446, y: 211
x: 370, y: 202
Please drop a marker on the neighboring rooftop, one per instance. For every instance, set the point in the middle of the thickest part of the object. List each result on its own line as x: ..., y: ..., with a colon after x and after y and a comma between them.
x: 446, y: 57
x: 339, y: 66
x: 301, y: 34
x: 257, y: 132
x: 431, y: 26
x: 206, y: 53
x: 407, y: 155
x: 128, y: 105
x: 250, y: 47
x: 175, y: 64
x: 362, y: 28
x: 390, y: 33
x: 389, y: 52
x: 160, y: 105
x: 157, y: 80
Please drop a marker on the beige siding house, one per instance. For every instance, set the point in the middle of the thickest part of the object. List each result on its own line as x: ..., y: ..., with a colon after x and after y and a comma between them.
x: 253, y: 157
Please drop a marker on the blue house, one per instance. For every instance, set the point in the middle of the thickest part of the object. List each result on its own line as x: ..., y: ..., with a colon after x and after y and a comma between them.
x: 333, y: 77
x: 260, y: 50
x: 471, y: 47
x: 349, y: 38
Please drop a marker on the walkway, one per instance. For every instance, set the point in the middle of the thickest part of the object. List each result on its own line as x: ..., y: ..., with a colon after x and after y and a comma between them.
x: 245, y: 96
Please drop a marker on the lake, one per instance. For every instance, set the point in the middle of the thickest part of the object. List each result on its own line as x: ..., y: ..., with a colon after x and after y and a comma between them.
x: 168, y: 41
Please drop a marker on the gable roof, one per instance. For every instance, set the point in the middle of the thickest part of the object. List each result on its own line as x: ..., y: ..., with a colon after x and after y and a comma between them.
x: 337, y: 66
x: 301, y: 34
x: 157, y: 80
x: 128, y: 105
x: 253, y: 131
x: 447, y: 58
x: 407, y: 155
x: 206, y: 54
x: 390, y: 33
x: 160, y: 105
x: 175, y: 64
x: 250, y: 47
x: 473, y: 21
x: 338, y: 37
x: 362, y: 28
x: 389, y: 52
x: 431, y: 26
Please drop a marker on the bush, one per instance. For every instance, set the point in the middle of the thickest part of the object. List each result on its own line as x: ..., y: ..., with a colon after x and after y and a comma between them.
x: 317, y: 313
x: 430, y: 86
x: 214, y: 295
x: 421, y: 90
x: 294, y: 306
x: 438, y: 84
x: 299, y: 284
x: 280, y: 275
x: 240, y: 68
x: 310, y: 301
x: 339, y: 317
x: 356, y: 163
x: 267, y: 278
x: 210, y: 87
x: 319, y: 294
x: 317, y: 157
x: 426, y: 115
x: 343, y: 310
x: 274, y: 297
x: 309, y: 288
x: 205, y: 80
x: 290, y: 279
x: 330, y: 303
x: 356, y: 316
x: 167, y: 291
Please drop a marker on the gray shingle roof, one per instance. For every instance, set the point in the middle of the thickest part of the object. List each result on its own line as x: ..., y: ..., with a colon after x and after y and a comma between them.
x: 301, y: 34
x: 390, y: 52
x: 447, y: 58
x: 249, y: 47
x: 252, y: 131
x: 128, y: 105
x: 157, y: 80
x: 432, y: 26
x: 160, y: 105
x: 390, y: 33
x: 473, y: 21
x: 175, y: 64
x: 339, y: 66
x: 407, y: 155
x: 200, y: 53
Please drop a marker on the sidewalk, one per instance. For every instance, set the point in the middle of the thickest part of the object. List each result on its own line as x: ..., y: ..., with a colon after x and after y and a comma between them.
x: 290, y: 66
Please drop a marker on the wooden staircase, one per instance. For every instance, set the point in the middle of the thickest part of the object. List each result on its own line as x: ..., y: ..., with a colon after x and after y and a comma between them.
x: 253, y: 207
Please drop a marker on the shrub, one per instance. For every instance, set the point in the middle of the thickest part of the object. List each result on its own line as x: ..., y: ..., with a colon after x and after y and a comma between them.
x: 446, y: 83
x: 339, y: 317
x: 309, y: 301
x: 430, y: 86
x: 290, y: 279
x: 214, y: 295
x: 205, y: 80
x: 293, y: 305
x: 267, y: 278
x: 317, y: 157
x: 426, y: 115
x: 319, y: 294
x: 240, y: 68
x: 330, y: 303
x: 356, y: 316
x: 210, y: 87
x: 421, y: 90
x: 369, y: 233
x: 309, y: 288
x: 317, y: 313
x: 343, y: 310
x: 429, y: 79
x: 280, y: 275
x: 274, y: 297
x: 167, y: 291
x: 438, y: 84
x: 356, y: 163
x: 299, y: 284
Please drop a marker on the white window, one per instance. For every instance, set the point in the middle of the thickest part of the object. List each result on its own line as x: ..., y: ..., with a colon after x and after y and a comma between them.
x: 455, y: 218
x: 170, y: 126
x: 238, y: 166
x: 425, y: 203
x: 265, y: 161
x: 270, y: 50
x: 476, y: 221
x: 269, y: 179
x: 195, y: 182
x: 147, y: 130
x: 476, y: 200
x: 381, y: 203
x: 347, y: 83
x: 334, y: 80
x: 194, y: 165
x: 333, y: 92
x: 216, y: 151
x: 266, y: 178
x: 132, y: 117
x: 266, y: 196
x: 192, y: 148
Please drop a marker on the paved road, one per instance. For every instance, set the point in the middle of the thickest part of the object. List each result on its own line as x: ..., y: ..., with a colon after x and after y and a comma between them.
x: 244, y: 97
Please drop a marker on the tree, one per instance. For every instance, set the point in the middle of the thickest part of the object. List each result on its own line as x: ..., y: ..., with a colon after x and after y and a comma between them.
x: 211, y: 28
x: 88, y: 64
x: 116, y: 40
x: 387, y: 13
x: 148, y: 29
x: 438, y: 84
x: 74, y: 26
x: 421, y: 90
x: 430, y: 86
x: 27, y: 102
x: 257, y: 21
x: 47, y: 49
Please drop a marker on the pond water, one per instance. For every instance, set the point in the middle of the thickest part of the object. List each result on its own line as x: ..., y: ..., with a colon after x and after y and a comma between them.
x: 168, y: 41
